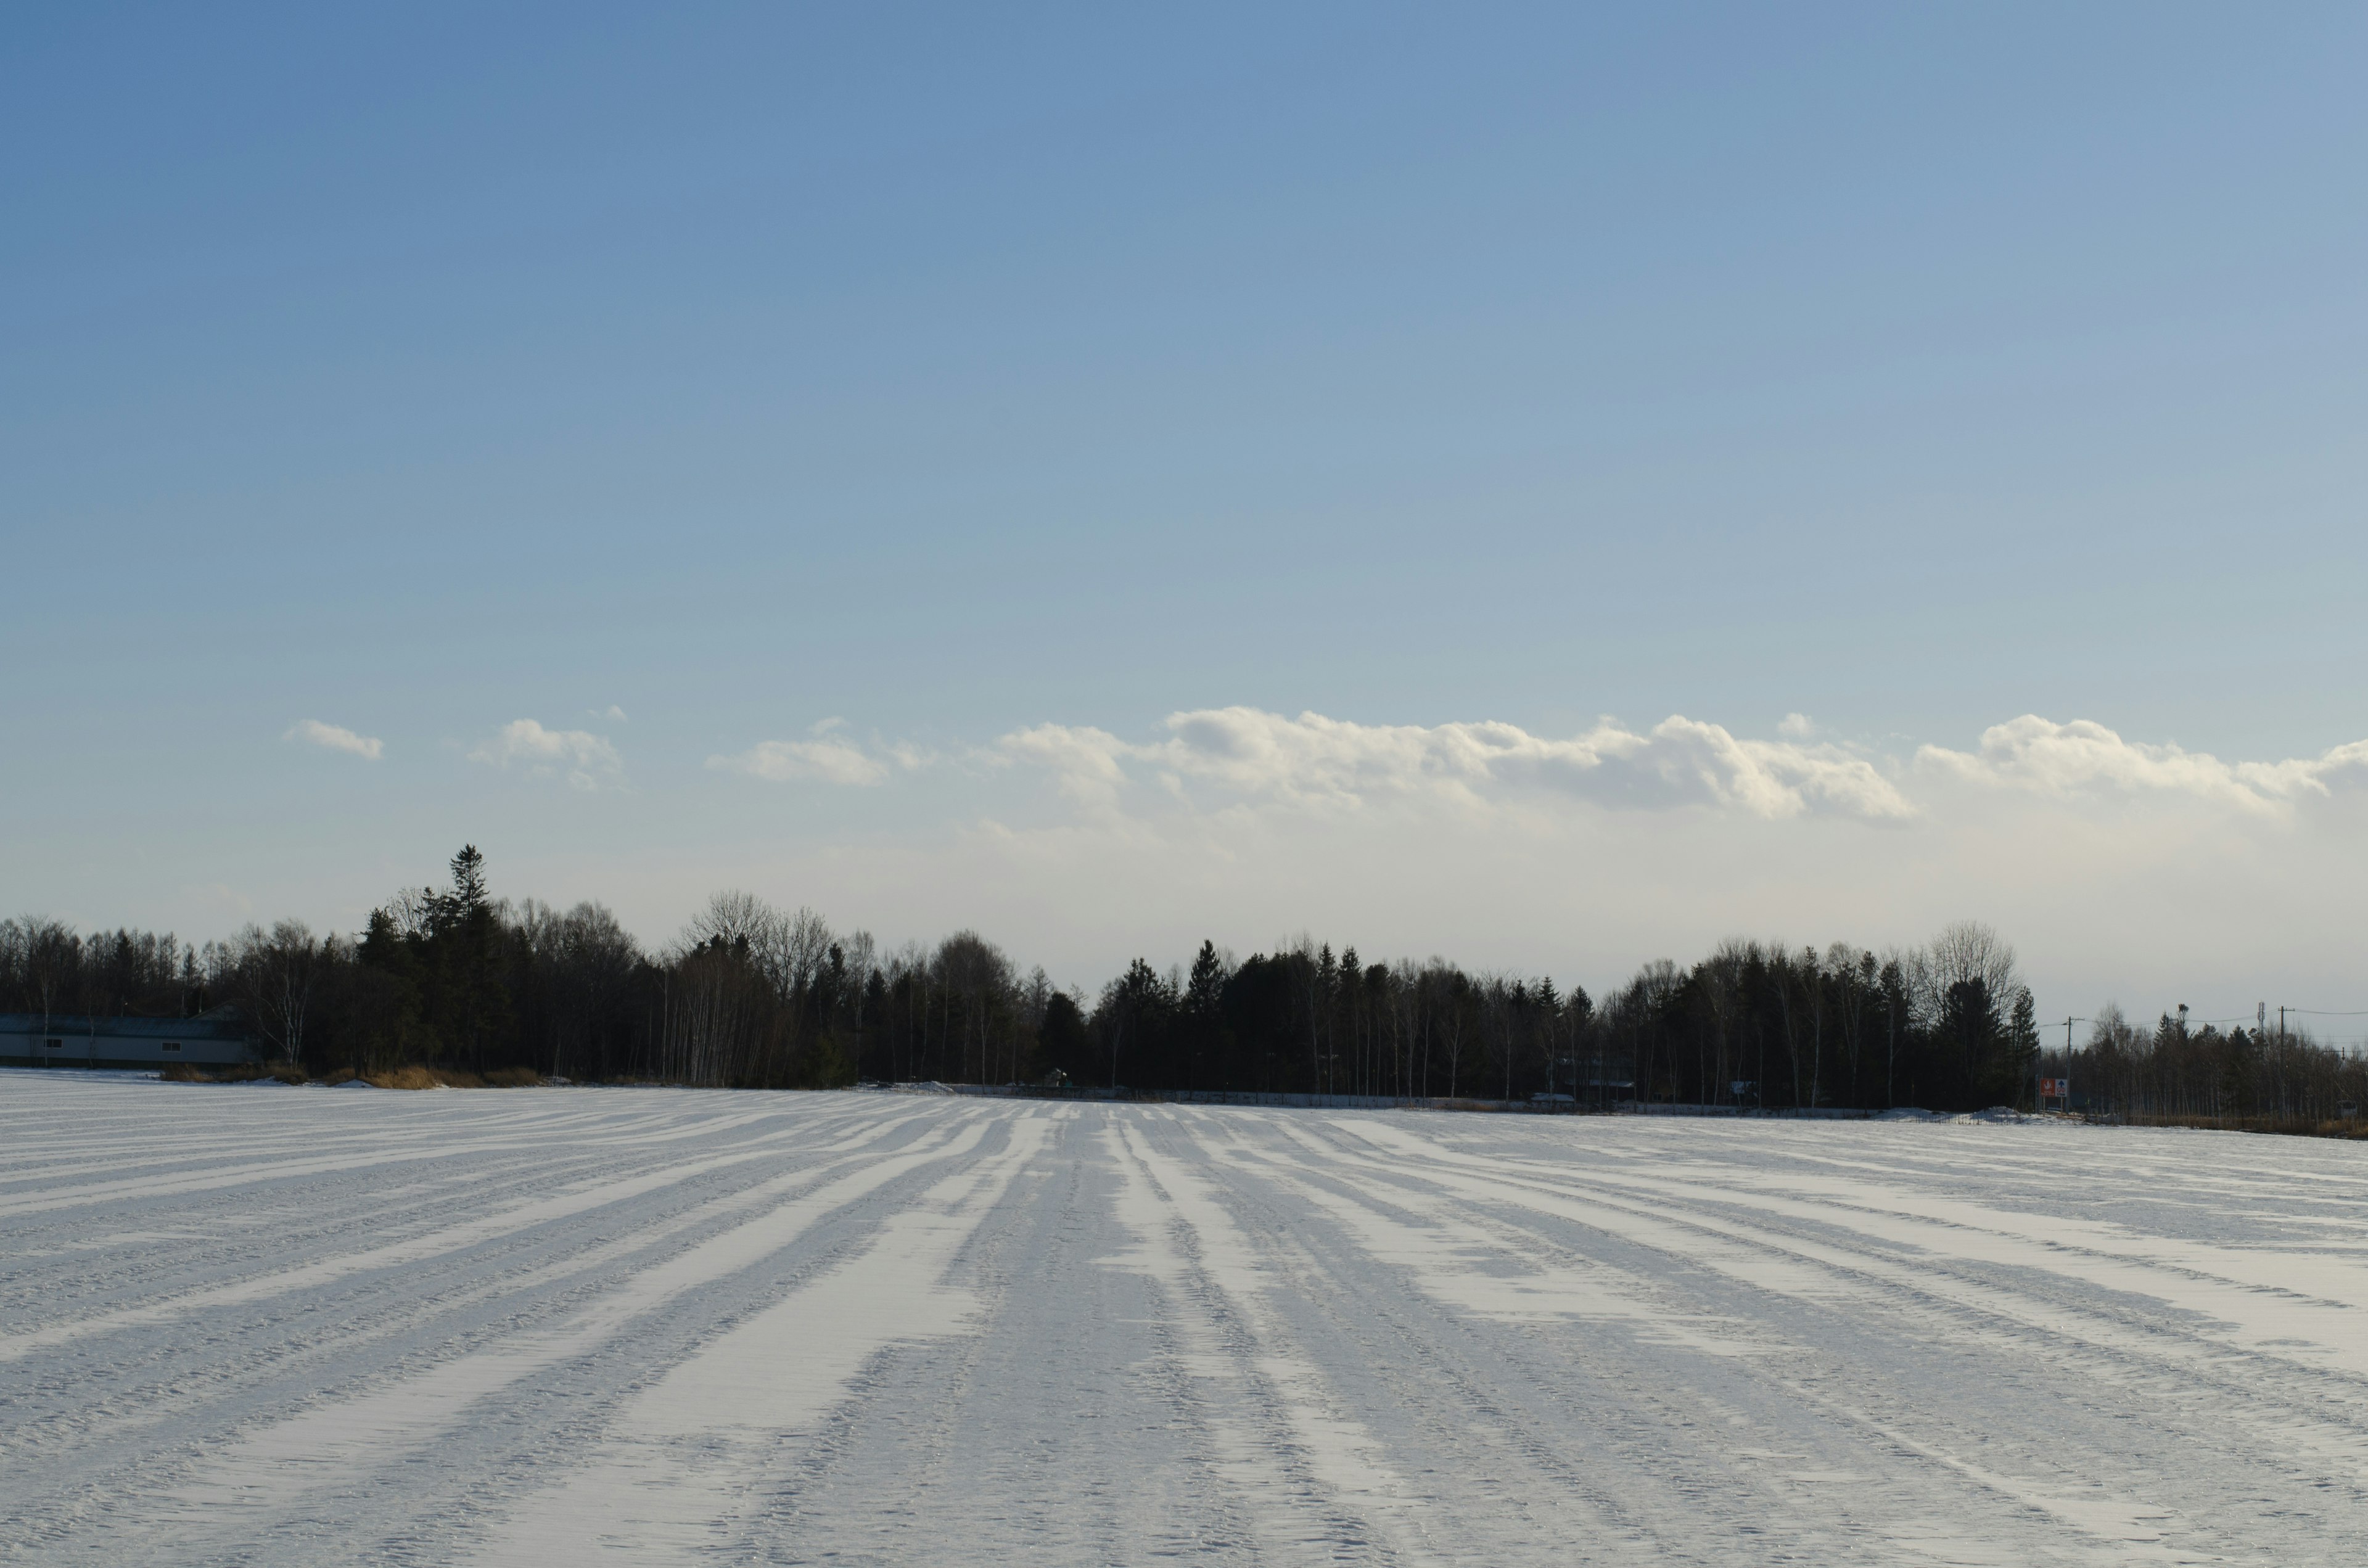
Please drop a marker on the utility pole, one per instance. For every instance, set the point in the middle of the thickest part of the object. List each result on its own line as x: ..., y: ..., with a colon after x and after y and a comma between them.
x: 2277, y: 1058
x: 2064, y: 1068
x: 2282, y: 1056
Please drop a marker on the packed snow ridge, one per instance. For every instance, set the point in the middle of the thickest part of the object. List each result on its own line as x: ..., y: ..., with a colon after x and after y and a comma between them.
x: 665, y: 1326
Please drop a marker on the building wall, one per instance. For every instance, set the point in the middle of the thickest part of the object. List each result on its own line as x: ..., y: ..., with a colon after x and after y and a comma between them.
x: 197, y: 1045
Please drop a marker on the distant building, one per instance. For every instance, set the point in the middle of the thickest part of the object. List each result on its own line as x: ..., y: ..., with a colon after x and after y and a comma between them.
x: 65, y: 1040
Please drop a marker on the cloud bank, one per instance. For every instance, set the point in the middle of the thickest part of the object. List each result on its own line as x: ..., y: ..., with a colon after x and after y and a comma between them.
x: 2122, y: 867
x: 1312, y: 761
x: 2086, y: 760
x: 825, y: 757
x: 587, y: 761
x: 1221, y: 757
x: 336, y: 737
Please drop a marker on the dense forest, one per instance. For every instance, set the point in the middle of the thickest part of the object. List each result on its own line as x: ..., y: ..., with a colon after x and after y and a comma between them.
x: 749, y: 996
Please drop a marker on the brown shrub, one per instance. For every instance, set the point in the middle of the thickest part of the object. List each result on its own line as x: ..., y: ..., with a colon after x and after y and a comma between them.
x: 412, y: 1077
x: 416, y: 1076
x: 230, y: 1072
x: 2289, y: 1126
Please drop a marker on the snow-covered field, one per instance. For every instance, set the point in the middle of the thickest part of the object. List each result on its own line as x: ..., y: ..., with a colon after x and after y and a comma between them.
x: 264, y: 1324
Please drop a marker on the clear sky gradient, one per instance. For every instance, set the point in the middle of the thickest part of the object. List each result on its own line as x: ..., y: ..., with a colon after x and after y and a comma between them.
x: 577, y: 402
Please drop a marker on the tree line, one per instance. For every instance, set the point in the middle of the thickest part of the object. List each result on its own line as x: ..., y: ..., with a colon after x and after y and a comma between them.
x: 750, y: 996
x: 2187, y: 1071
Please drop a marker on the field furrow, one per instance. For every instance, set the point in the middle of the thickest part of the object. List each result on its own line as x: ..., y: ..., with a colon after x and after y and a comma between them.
x: 274, y: 1325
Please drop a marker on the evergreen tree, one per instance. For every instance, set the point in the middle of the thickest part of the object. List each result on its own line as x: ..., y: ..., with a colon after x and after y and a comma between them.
x: 464, y: 938
x: 2020, y: 1056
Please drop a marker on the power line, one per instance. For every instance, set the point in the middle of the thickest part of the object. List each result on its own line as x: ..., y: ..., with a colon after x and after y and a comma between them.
x: 2250, y: 1018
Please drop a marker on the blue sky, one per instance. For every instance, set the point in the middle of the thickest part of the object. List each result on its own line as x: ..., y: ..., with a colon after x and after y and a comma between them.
x: 955, y: 373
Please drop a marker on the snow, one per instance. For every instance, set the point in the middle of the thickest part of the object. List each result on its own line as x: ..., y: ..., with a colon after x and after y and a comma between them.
x: 668, y: 1326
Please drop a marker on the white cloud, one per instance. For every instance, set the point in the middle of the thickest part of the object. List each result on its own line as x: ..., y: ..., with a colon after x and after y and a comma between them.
x: 1088, y: 765
x: 613, y: 713
x: 2083, y: 759
x: 822, y: 761
x: 826, y: 758
x: 1234, y: 759
x: 587, y: 761
x: 2118, y: 868
x: 336, y: 737
x: 1312, y: 760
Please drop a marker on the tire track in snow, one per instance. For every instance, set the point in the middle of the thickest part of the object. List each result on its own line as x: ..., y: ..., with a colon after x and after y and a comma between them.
x: 396, y: 1411
x: 595, y: 1193
x: 2072, y: 1337
x: 689, y: 1459
x: 1502, y: 1395
x: 1487, y: 1339
x: 337, y: 1440
x: 1315, y: 1484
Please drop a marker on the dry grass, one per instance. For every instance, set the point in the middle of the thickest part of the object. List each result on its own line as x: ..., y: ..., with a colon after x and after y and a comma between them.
x: 414, y: 1076
x: 2289, y: 1126
x: 417, y: 1077
x: 244, y: 1072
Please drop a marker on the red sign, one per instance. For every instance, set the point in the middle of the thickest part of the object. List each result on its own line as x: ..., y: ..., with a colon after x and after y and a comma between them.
x: 2055, y: 1088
